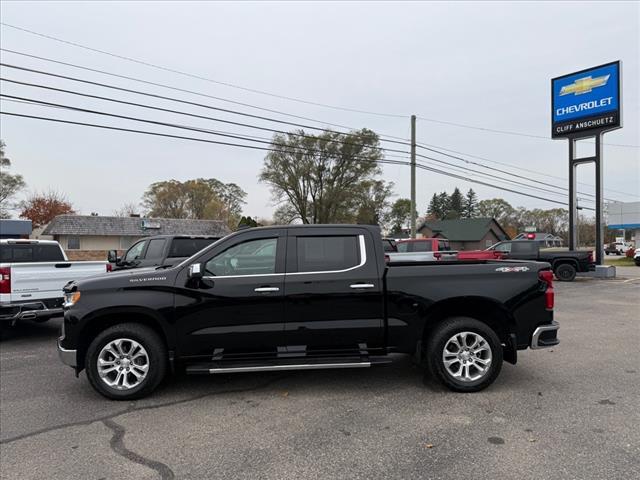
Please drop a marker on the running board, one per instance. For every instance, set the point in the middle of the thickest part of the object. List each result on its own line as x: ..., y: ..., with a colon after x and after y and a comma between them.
x: 284, y: 364
x: 301, y: 366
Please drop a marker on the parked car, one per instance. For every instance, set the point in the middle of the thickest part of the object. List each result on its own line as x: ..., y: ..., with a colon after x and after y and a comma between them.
x: 159, y: 250
x: 32, y: 274
x: 617, y: 248
x: 565, y: 263
x: 422, y: 250
x: 304, y: 297
x: 636, y: 257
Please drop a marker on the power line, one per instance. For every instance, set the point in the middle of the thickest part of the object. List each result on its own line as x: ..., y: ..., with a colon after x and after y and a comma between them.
x: 423, y: 145
x: 163, y: 97
x: 383, y: 137
x: 178, y: 112
x: 273, y: 130
x: 284, y: 97
x: 505, y: 172
x: 199, y: 77
x: 253, y: 147
x: 235, y: 136
x: 507, y: 132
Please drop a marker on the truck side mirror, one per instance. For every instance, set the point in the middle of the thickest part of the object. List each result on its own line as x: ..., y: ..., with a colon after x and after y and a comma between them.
x: 195, y: 271
x: 112, y: 256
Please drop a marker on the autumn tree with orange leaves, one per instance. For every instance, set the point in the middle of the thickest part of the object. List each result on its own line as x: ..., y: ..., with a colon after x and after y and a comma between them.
x: 43, y: 207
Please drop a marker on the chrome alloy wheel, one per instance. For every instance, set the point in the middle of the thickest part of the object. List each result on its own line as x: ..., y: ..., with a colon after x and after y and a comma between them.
x: 123, y: 364
x: 467, y: 356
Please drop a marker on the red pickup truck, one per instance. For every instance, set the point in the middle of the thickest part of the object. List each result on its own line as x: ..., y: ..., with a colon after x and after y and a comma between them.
x: 481, y: 255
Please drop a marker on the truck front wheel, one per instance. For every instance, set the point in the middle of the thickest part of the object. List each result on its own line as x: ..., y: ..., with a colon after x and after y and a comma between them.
x: 464, y: 354
x: 565, y: 272
x: 126, y: 361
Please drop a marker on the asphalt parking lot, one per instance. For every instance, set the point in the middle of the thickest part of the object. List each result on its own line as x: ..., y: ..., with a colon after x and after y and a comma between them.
x: 572, y: 412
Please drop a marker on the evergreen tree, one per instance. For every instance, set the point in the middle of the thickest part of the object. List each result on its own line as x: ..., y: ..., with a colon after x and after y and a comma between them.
x: 433, y: 210
x: 456, y: 205
x: 470, y: 204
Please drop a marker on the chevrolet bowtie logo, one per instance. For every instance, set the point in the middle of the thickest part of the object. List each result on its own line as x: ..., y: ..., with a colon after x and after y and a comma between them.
x: 584, y: 85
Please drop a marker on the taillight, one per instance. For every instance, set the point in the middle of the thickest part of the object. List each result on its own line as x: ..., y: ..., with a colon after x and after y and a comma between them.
x: 109, y: 267
x: 549, y: 296
x: 590, y: 257
x: 437, y: 255
x: 387, y: 259
x: 5, y: 280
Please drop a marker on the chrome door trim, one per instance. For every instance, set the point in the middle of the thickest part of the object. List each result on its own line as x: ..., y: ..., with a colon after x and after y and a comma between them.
x: 361, y: 285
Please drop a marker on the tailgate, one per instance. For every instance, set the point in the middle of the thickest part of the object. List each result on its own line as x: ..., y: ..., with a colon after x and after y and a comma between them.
x: 35, y: 281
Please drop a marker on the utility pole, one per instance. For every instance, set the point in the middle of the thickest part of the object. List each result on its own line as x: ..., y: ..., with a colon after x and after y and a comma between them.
x: 413, y: 176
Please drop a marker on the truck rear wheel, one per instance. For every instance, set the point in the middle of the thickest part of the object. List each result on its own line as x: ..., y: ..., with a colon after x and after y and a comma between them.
x: 464, y: 354
x: 126, y: 361
x: 565, y: 272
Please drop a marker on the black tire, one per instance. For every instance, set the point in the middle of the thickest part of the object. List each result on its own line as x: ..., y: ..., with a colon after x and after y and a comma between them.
x: 565, y: 272
x: 618, y: 252
x: 637, y: 261
x: 437, y: 341
x: 157, y: 365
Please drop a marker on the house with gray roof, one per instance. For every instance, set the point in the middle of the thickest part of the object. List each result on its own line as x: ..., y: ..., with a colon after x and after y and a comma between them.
x: 466, y: 233
x: 89, y: 237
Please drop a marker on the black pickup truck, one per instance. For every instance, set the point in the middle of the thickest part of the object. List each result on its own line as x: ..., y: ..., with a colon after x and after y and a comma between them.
x: 565, y: 263
x: 304, y: 297
x: 159, y: 250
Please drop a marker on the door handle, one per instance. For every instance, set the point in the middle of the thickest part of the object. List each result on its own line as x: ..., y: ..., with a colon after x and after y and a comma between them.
x: 362, y: 285
x: 266, y: 289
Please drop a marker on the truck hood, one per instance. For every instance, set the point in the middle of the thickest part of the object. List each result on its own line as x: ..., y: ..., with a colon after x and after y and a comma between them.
x: 124, y: 278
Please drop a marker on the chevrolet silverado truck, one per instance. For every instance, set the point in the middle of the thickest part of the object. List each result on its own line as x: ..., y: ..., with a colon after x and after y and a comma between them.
x: 159, y: 250
x: 304, y: 297
x: 565, y: 263
x: 32, y: 274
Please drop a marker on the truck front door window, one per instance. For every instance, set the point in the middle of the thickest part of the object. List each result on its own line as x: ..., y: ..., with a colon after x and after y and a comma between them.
x: 156, y: 248
x: 135, y: 252
x: 255, y: 257
x: 503, y: 247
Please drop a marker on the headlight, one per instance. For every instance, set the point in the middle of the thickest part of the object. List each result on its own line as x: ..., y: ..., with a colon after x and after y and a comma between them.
x: 71, y: 299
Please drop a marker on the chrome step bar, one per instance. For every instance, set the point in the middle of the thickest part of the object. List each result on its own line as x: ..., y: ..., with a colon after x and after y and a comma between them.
x: 302, y: 366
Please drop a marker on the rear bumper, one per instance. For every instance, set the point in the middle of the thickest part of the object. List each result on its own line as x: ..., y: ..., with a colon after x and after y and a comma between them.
x: 68, y: 357
x: 35, y: 310
x: 545, y: 336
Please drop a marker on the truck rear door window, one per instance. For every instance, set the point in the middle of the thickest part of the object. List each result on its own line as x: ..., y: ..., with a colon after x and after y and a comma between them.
x: 523, y: 247
x: 185, y: 247
x: 422, y: 246
x: 155, y: 248
x: 322, y: 254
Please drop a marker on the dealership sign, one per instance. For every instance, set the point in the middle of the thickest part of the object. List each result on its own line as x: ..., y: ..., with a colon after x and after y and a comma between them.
x: 586, y: 102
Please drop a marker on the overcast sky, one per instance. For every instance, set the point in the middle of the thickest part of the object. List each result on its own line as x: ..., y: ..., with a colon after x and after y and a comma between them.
x: 487, y: 65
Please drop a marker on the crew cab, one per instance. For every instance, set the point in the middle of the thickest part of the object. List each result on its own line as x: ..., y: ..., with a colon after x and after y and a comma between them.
x: 422, y: 250
x: 304, y: 297
x: 32, y: 274
x: 159, y: 250
x: 565, y: 263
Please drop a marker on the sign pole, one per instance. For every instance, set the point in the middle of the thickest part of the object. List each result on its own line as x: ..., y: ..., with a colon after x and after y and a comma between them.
x: 572, y: 196
x: 599, y: 202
